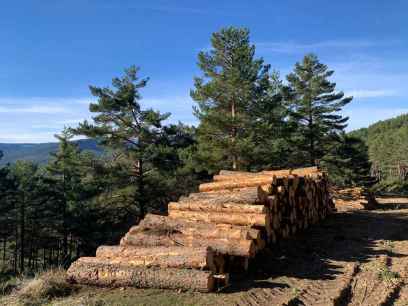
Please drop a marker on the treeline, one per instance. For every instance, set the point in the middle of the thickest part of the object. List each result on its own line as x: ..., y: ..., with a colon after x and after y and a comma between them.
x: 387, y: 148
x: 249, y: 119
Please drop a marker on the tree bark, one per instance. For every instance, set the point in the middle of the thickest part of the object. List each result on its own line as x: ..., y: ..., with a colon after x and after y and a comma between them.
x: 235, y: 247
x: 22, y: 235
x: 233, y: 137
x: 93, y: 271
x: 161, y: 224
x: 252, y: 182
x: 221, y: 208
x: 164, y: 257
x: 220, y: 217
x: 249, y: 195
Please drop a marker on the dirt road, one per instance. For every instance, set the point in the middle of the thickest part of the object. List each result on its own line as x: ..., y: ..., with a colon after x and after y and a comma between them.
x: 355, y: 257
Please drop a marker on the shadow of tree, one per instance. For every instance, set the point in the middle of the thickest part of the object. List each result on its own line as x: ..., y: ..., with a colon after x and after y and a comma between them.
x: 343, y: 237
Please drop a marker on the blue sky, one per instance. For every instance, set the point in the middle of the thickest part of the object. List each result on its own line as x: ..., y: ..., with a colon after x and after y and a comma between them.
x: 52, y: 50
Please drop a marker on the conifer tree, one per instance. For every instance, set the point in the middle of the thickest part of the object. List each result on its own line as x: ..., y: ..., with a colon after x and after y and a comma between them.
x: 233, y: 79
x: 122, y: 125
x: 63, y: 181
x: 314, y: 108
x: 347, y: 162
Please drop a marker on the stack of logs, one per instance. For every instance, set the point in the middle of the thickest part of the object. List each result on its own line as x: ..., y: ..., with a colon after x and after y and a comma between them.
x: 354, y: 198
x: 210, y: 234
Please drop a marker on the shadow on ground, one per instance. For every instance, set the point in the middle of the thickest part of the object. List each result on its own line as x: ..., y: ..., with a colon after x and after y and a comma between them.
x: 343, y: 237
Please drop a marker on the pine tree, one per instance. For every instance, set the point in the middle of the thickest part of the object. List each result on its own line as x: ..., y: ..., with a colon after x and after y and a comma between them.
x: 314, y: 108
x: 64, y: 186
x: 347, y: 162
x: 233, y: 79
x: 122, y: 125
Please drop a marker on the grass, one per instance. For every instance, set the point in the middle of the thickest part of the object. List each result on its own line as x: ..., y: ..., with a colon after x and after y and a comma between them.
x: 40, y: 290
x: 51, y: 289
x: 386, y: 275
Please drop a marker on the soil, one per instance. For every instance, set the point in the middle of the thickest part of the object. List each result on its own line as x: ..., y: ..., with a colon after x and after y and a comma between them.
x: 354, y: 257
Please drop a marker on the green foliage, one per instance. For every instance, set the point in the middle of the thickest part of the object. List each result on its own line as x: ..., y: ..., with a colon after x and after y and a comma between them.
x: 314, y: 108
x: 347, y: 162
x: 233, y: 81
x: 122, y: 125
x: 387, y: 141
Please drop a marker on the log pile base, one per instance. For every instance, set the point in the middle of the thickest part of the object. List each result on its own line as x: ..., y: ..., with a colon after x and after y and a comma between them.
x: 210, y: 234
x: 91, y: 271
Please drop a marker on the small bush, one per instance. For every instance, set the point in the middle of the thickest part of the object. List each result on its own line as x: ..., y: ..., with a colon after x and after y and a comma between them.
x: 42, y: 288
x: 386, y: 275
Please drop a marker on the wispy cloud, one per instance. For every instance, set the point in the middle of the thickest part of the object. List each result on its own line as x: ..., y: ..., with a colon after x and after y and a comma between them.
x: 38, y: 105
x: 37, y: 109
x: 293, y: 47
x: 375, y: 93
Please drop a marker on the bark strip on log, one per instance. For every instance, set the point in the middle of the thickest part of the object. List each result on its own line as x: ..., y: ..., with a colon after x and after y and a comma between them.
x: 251, y: 182
x: 155, y: 223
x: 232, y: 247
x: 93, y: 271
x: 248, y: 195
x: 216, y: 217
x: 222, y: 208
x: 164, y: 257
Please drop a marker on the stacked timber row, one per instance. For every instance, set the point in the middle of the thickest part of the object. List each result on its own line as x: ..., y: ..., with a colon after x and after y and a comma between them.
x: 212, y: 233
x: 355, y: 197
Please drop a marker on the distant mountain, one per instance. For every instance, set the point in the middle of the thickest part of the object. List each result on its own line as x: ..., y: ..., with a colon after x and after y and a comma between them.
x: 387, y: 141
x: 39, y: 152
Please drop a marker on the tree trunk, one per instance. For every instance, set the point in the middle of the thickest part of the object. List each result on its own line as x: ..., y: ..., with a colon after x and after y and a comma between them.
x: 140, y: 182
x: 164, y: 257
x: 4, y: 250
x: 221, y: 208
x: 165, y: 225
x: 233, y: 137
x: 248, y: 219
x: 253, y: 182
x: 22, y: 233
x: 250, y: 195
x: 236, y: 247
x: 93, y: 271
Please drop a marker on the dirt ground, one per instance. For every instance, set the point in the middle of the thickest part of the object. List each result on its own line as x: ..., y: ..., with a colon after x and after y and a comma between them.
x: 355, y: 257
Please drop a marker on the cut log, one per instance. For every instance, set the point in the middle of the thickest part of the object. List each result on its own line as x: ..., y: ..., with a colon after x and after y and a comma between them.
x: 164, y: 257
x: 249, y: 195
x: 216, y: 217
x: 226, y: 175
x: 234, y: 247
x: 251, y: 182
x: 167, y: 225
x: 94, y: 271
x: 222, y: 208
x: 298, y: 172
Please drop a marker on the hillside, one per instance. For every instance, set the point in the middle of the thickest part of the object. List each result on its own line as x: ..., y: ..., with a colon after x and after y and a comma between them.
x: 38, y: 152
x: 387, y: 140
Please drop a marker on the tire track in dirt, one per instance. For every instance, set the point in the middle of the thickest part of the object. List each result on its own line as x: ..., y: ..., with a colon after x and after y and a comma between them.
x: 329, y: 292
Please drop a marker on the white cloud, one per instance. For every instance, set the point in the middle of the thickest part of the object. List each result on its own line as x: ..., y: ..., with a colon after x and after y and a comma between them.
x: 26, y: 137
x: 38, y: 105
x: 292, y: 47
x: 37, y: 109
x: 367, y: 93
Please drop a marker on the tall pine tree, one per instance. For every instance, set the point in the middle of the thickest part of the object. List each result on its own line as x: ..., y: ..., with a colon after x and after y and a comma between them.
x: 122, y: 125
x: 314, y: 108
x: 233, y: 79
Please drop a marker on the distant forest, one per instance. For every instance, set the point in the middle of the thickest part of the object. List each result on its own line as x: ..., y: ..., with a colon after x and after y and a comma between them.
x: 250, y: 118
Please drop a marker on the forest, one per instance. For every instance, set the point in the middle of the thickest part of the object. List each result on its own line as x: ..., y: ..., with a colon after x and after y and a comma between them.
x: 250, y: 118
